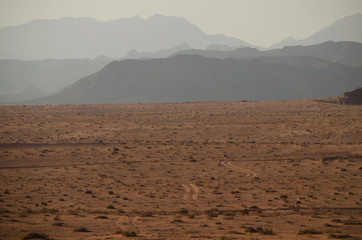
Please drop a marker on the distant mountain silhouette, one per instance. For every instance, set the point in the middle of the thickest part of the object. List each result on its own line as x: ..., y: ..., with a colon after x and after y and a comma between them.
x: 88, y: 38
x: 345, y: 29
x: 348, y: 53
x: 20, y: 80
x: 163, y: 53
x: 30, y: 92
x: 196, y: 78
x: 220, y: 47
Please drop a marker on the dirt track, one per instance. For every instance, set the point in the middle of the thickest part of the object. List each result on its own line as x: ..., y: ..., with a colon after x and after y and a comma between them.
x: 246, y: 173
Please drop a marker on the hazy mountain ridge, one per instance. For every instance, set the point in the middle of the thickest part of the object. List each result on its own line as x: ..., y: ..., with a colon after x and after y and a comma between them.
x: 163, y: 53
x: 345, y: 29
x: 20, y: 79
x: 348, y: 53
x: 196, y: 78
x: 88, y: 38
x: 233, y: 75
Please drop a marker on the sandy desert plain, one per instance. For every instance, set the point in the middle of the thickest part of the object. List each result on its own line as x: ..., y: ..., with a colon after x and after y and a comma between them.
x: 207, y: 170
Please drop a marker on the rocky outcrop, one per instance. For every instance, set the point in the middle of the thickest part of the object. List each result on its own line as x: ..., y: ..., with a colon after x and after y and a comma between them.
x: 353, y: 98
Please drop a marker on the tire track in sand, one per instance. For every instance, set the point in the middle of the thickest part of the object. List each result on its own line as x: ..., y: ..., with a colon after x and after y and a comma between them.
x: 191, y: 192
x: 248, y: 173
x: 128, y: 220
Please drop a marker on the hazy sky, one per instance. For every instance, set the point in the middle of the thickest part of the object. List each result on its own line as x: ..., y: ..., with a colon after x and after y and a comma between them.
x: 259, y: 22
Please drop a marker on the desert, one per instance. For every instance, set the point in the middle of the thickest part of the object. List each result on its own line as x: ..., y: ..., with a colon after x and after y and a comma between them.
x: 194, y: 170
x: 176, y: 120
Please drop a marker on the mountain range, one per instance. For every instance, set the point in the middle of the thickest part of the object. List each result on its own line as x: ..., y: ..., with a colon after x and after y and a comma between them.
x: 345, y: 29
x: 348, y: 53
x: 228, y: 70
x: 196, y: 78
x: 162, y: 53
x: 88, y: 38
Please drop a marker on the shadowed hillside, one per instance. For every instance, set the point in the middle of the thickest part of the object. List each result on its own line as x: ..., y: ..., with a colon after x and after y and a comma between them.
x: 196, y: 78
x: 353, y: 97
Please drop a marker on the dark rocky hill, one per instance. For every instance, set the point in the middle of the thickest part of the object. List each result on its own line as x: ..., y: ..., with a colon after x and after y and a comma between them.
x: 196, y: 78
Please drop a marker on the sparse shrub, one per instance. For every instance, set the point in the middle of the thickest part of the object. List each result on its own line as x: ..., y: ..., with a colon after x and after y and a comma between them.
x: 120, y: 211
x: 352, y: 222
x: 192, y: 231
x: 58, y: 224
x: 212, y: 213
x: 72, y: 212
x: 118, y: 231
x: 250, y: 230
x: 226, y: 238
x: 183, y: 211
x: 229, y: 214
x: 34, y: 235
x: 308, y: 231
x: 245, y: 211
x: 110, y: 207
x: 102, y: 217
x: 264, y: 231
x: 267, y: 231
x: 342, y: 236
x: 115, y: 150
x: 147, y: 214
x: 337, y: 220
x: 129, y: 233
x: 177, y: 220
x: 191, y: 215
x: 81, y: 229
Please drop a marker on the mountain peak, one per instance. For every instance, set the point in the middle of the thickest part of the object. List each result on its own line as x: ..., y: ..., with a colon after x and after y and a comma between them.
x: 159, y: 17
x: 86, y: 37
x: 344, y: 29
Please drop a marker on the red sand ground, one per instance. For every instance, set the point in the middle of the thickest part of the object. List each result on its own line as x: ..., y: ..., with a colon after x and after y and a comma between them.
x: 182, y: 171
